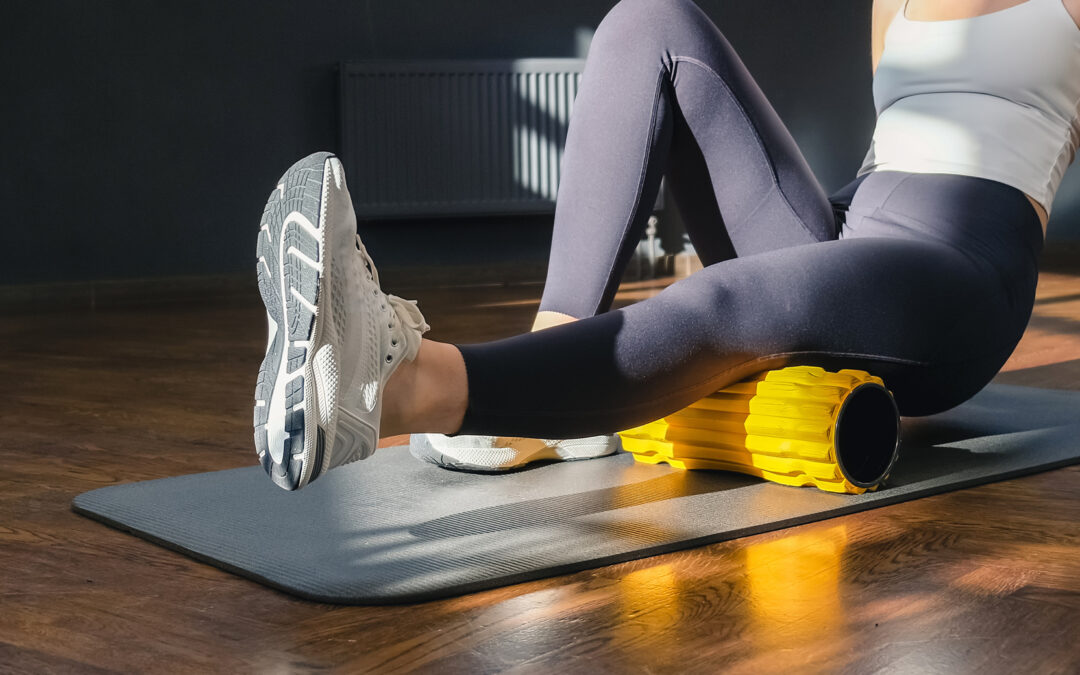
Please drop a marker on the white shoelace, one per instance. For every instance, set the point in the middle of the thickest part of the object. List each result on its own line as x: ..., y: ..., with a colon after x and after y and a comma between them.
x: 405, y: 311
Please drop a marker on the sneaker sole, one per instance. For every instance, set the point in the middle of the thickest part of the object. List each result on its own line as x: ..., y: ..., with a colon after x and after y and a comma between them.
x: 482, y: 460
x: 291, y: 256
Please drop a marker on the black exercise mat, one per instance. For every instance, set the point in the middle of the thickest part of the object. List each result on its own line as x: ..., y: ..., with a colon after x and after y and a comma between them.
x: 391, y: 529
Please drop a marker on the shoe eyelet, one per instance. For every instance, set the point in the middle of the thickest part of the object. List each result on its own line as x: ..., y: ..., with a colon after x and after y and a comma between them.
x: 393, y: 343
x: 389, y: 358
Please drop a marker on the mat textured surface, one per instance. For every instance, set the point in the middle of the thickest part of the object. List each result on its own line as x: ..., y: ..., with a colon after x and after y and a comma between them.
x: 391, y: 529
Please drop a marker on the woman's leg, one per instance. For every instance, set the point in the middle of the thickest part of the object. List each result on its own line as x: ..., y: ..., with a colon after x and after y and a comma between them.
x: 930, y: 289
x: 664, y: 92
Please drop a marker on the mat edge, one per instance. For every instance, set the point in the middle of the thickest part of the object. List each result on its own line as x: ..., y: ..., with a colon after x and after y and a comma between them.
x: 569, y: 568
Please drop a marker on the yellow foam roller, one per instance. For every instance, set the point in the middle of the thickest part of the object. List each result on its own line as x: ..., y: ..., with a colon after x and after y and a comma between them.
x: 799, y: 426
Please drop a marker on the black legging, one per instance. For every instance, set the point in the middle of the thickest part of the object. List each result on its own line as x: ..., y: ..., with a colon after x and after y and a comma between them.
x: 926, y: 280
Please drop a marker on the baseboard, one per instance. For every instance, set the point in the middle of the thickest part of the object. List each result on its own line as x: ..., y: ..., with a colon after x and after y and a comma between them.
x: 241, y: 288
x: 92, y: 295
x: 112, y: 293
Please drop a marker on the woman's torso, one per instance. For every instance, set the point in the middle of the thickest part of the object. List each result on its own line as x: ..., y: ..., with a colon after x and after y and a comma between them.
x: 978, y: 87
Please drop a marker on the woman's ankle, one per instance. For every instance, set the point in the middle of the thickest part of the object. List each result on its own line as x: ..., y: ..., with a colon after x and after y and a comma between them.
x: 548, y: 319
x: 427, y: 394
x: 431, y: 392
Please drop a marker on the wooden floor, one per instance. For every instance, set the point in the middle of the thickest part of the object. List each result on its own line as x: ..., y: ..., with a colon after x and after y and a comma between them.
x: 983, y: 580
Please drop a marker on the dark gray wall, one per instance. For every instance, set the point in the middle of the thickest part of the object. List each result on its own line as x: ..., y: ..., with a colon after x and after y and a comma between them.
x: 141, y: 138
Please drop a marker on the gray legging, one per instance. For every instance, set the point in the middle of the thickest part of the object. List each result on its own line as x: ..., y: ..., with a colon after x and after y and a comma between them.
x: 926, y: 280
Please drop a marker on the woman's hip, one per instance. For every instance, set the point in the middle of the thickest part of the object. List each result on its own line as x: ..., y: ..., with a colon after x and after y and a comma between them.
x: 980, y: 217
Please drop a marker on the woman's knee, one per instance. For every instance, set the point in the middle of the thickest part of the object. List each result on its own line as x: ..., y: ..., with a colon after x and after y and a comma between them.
x: 698, y: 304
x: 649, y: 24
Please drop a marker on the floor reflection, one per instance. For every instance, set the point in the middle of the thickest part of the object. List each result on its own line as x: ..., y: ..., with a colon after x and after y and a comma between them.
x: 650, y: 610
x: 793, y: 588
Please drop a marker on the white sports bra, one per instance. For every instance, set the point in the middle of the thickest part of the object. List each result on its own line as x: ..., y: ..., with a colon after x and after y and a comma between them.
x: 994, y: 96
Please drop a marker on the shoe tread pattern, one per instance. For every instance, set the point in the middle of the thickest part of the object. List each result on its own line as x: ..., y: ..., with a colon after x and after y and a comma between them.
x: 300, y: 192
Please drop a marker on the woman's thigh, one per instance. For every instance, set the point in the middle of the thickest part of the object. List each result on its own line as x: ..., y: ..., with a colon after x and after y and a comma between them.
x: 933, y: 323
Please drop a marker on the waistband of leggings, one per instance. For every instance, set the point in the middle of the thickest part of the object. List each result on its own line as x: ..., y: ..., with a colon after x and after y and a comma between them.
x: 986, y: 208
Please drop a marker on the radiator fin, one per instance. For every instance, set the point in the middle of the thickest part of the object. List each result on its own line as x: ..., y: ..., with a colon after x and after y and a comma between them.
x: 455, y: 137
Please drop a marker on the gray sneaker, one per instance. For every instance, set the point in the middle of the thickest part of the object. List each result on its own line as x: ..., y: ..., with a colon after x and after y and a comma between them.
x: 334, y: 336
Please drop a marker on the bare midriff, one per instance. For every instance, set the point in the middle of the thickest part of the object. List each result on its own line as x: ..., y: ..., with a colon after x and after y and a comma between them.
x: 1039, y: 210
